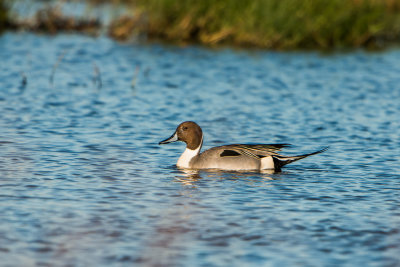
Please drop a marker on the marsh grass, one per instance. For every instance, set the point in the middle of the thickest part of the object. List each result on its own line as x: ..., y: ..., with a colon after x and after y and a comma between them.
x: 3, y: 16
x: 276, y: 24
x: 271, y: 24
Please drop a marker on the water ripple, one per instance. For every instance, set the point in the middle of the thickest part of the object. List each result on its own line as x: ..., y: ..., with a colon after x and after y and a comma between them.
x: 81, y: 172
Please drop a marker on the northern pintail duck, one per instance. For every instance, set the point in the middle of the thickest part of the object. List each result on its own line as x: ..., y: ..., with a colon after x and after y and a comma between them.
x: 228, y: 157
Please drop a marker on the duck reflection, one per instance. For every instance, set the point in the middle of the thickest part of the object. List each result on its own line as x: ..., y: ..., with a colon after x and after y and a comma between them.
x: 192, y: 176
x: 185, y: 215
x: 188, y: 176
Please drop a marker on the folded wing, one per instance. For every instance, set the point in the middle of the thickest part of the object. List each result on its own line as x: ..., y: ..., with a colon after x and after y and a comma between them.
x: 255, y: 151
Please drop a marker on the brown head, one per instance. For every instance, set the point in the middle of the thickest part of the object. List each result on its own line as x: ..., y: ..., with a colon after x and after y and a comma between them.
x: 188, y: 132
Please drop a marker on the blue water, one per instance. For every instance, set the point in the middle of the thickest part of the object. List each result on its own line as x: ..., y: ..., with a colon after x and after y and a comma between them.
x: 84, y: 183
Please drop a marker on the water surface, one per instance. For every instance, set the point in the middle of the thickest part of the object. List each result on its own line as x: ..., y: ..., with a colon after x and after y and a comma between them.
x: 84, y: 183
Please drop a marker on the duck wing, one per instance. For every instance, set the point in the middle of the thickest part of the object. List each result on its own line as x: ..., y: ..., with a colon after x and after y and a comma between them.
x: 255, y: 151
x: 260, y: 151
x: 264, y: 147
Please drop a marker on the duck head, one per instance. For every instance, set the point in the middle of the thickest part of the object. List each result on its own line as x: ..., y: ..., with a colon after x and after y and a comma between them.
x: 188, y: 132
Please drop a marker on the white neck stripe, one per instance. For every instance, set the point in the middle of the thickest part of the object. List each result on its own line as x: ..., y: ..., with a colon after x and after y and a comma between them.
x: 188, y: 155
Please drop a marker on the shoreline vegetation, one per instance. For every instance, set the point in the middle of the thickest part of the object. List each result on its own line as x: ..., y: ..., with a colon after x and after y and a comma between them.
x: 3, y: 16
x: 276, y: 24
x: 266, y: 24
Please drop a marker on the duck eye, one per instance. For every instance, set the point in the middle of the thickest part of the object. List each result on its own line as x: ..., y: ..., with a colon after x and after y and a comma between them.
x: 184, y: 128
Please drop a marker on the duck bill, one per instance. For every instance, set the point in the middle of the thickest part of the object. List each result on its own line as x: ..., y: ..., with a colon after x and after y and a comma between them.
x: 173, y: 138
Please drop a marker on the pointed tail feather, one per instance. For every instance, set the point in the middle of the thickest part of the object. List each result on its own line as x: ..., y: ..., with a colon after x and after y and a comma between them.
x: 280, y: 161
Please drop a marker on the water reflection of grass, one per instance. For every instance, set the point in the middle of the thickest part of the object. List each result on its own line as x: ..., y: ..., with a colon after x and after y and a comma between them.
x: 279, y: 24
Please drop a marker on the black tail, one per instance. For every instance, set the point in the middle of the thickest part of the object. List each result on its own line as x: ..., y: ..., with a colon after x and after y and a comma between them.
x: 280, y: 161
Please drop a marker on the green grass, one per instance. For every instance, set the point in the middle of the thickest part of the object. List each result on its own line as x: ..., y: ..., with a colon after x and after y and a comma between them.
x: 274, y: 24
x: 3, y: 15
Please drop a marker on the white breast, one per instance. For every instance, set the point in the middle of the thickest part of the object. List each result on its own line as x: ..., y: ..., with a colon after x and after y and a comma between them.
x: 186, y: 157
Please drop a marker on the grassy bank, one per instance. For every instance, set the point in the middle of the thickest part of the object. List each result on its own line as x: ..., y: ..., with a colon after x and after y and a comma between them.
x: 3, y: 16
x: 276, y: 24
x: 271, y: 24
